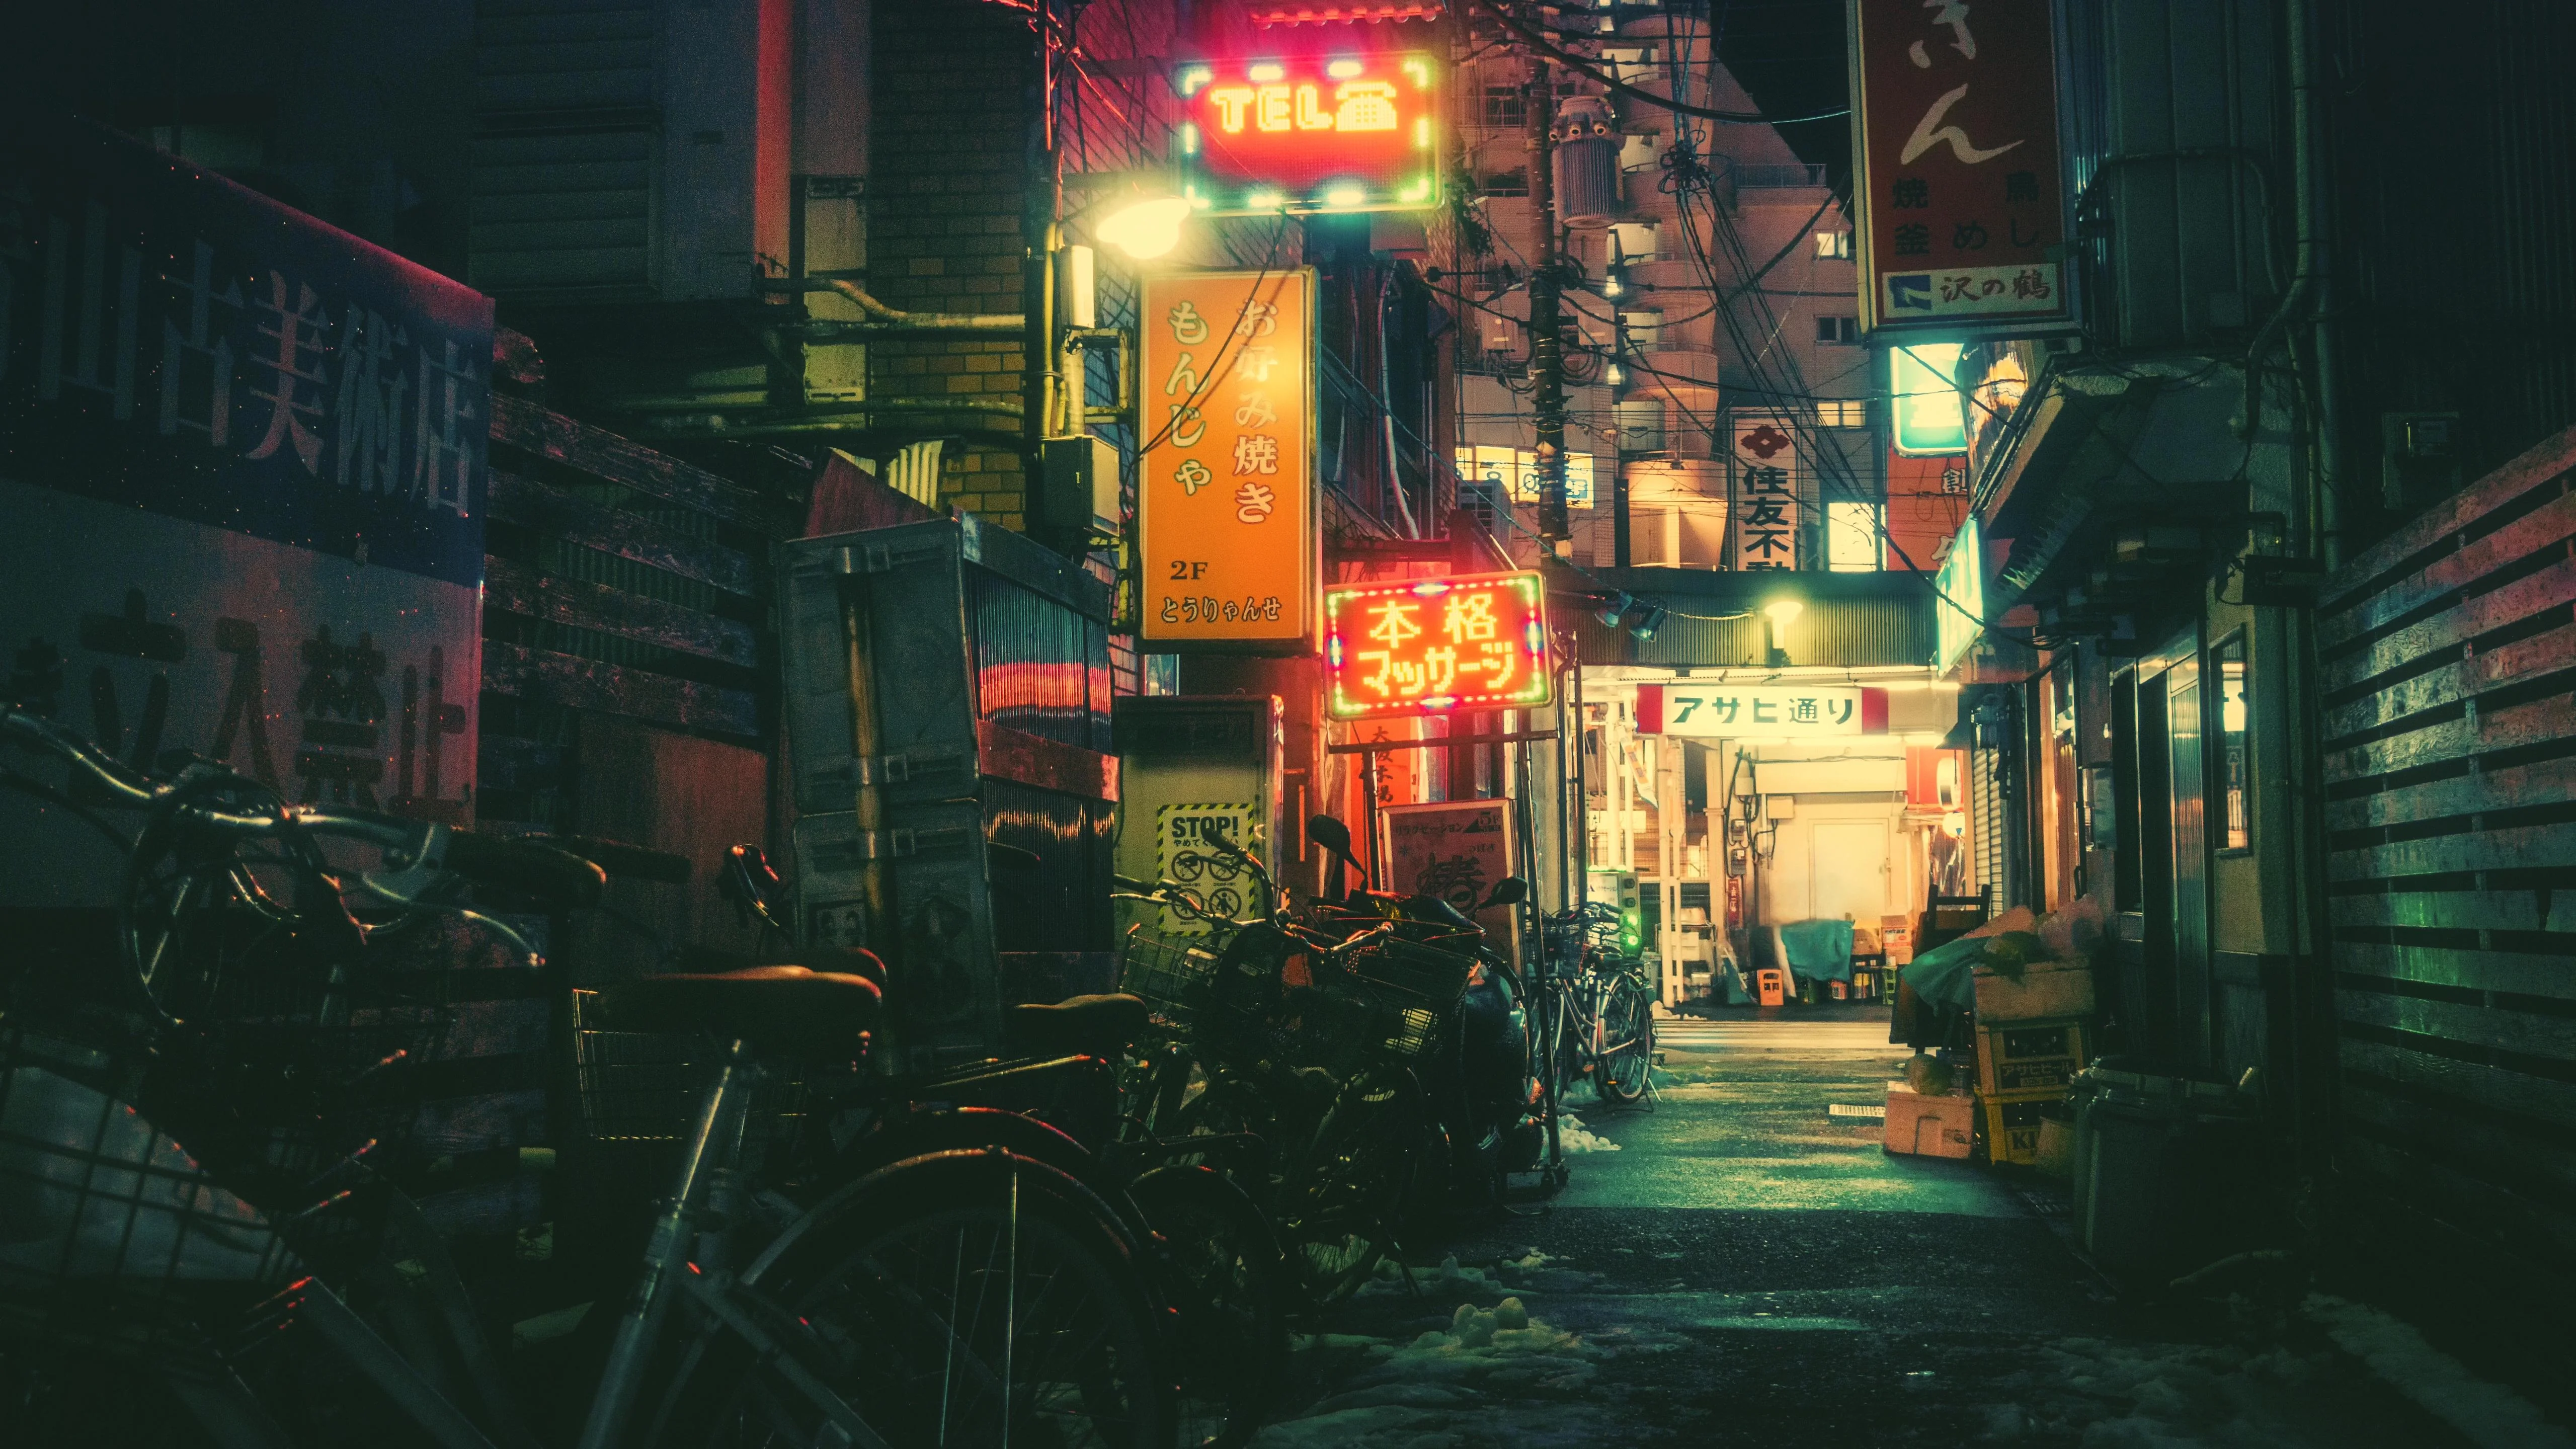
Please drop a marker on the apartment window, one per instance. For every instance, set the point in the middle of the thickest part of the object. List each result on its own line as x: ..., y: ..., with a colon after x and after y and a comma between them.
x: 1505, y: 183
x: 1505, y: 108
x: 1853, y: 538
x: 1842, y: 413
x: 1834, y: 245
x: 1841, y: 331
x: 2235, y: 767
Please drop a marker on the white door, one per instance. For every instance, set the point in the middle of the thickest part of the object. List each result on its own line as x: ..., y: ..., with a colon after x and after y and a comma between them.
x: 1847, y: 870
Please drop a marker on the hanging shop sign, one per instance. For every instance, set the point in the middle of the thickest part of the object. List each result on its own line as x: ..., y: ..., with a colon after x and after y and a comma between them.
x: 1354, y: 130
x: 1761, y: 711
x: 1432, y: 646
x: 1959, y: 596
x: 1923, y: 396
x: 1961, y: 207
x: 243, y: 468
x: 1226, y: 498
x: 1770, y: 491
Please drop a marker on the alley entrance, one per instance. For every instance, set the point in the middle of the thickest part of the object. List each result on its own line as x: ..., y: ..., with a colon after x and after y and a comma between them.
x: 1743, y: 1265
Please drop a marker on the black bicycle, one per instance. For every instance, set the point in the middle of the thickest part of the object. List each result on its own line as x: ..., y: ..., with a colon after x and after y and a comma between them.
x: 274, y: 1281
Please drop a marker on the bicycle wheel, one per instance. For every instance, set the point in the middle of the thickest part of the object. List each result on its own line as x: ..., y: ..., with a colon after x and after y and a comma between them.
x: 1627, y: 1045
x: 964, y: 1298
x: 1344, y: 1195
x: 1222, y: 1272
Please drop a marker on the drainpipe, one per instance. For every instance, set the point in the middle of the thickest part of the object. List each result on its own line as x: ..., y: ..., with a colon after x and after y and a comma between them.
x: 2310, y: 293
x: 888, y: 319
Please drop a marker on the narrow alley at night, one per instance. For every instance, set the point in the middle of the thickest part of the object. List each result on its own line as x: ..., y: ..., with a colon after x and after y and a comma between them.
x: 1261, y: 724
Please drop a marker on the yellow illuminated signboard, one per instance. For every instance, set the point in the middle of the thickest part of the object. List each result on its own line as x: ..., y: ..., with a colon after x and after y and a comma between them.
x: 1226, y: 498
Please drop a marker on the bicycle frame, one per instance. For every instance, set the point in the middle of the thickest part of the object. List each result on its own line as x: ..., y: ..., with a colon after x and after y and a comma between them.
x: 226, y: 1409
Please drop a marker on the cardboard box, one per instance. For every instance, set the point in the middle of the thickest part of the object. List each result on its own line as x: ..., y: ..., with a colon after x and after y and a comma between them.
x: 1920, y: 1126
x: 2017, y: 1058
x: 2047, y: 991
x: 1896, y: 938
x: 2012, y: 1126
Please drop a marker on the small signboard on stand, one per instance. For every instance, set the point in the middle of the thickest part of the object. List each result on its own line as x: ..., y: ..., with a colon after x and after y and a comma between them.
x: 1455, y: 850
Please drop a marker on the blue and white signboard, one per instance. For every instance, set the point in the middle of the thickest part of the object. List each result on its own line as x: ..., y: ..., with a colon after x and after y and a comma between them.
x: 242, y: 484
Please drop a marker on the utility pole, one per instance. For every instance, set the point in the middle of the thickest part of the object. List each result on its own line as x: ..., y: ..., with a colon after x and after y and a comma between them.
x: 1547, y: 349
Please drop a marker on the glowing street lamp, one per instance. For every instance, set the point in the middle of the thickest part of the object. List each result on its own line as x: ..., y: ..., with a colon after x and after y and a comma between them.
x: 1144, y: 227
x: 1782, y: 612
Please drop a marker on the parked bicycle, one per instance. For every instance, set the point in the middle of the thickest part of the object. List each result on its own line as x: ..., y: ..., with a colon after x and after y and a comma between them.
x: 1332, y: 1038
x: 198, y: 1151
x: 1601, y: 1020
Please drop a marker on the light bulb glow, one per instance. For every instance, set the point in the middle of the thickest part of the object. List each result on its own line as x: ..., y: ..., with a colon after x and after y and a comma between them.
x: 1146, y: 228
x: 1783, y: 612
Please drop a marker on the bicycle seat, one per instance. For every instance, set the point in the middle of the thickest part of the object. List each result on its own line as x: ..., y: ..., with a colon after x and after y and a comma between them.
x: 787, y: 1009
x: 1090, y: 1026
x: 1438, y: 912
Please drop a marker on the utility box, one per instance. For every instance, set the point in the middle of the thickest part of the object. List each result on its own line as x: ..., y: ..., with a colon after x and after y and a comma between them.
x: 1081, y: 487
x: 945, y: 693
x: 1192, y: 767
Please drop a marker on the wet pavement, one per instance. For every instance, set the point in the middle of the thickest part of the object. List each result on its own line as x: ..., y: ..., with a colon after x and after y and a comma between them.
x: 1736, y: 1265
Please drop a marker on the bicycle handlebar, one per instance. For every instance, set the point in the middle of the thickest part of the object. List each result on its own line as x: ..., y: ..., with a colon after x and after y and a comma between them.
x: 416, y: 845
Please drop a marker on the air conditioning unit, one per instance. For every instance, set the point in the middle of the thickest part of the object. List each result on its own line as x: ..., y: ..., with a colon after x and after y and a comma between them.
x: 658, y: 152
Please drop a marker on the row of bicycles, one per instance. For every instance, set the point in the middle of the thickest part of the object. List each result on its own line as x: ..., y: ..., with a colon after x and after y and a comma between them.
x: 211, y: 1163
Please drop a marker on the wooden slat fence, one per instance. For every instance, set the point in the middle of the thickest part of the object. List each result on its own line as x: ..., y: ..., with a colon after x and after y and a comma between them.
x: 2448, y: 657
x: 621, y: 581
x: 623, y: 699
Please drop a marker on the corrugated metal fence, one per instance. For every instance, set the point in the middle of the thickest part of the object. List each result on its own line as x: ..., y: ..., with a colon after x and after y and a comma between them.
x: 2449, y: 689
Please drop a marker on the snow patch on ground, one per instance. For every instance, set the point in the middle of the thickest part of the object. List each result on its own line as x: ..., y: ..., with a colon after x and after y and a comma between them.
x: 2488, y: 1415
x: 1573, y: 1136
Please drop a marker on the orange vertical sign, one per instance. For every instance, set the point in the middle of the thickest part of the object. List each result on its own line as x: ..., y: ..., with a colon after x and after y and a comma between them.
x: 1226, y: 497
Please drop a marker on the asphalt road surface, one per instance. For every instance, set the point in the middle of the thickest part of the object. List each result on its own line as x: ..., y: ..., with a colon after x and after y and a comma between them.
x: 1746, y: 1268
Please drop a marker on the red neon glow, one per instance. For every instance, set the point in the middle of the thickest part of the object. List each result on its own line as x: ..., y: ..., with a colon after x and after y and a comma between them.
x: 1477, y: 641
x: 1333, y: 131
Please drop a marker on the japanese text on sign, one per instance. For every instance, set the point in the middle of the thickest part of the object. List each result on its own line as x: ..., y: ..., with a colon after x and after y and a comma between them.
x: 1226, y: 497
x: 1960, y: 194
x: 1356, y: 131
x: 1767, y: 492
x: 1760, y: 711
x: 1427, y: 646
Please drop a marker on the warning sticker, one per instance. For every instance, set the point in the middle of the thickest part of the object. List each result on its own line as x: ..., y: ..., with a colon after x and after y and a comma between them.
x: 1185, y: 854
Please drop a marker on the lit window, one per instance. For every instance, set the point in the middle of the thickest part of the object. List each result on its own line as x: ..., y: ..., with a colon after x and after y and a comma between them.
x: 2235, y: 775
x: 1852, y: 538
x: 1842, y: 413
x: 1834, y: 245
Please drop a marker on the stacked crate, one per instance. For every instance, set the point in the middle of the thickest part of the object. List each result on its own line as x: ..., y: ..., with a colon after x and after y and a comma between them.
x: 2034, y: 1033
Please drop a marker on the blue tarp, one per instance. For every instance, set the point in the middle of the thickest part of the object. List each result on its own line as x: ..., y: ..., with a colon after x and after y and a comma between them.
x: 1821, y: 949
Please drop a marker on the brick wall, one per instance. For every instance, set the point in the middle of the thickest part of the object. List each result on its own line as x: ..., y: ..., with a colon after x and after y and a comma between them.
x: 948, y: 189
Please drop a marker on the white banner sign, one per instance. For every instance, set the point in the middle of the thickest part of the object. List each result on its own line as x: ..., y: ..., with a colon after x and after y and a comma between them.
x: 1761, y: 711
x: 1767, y: 492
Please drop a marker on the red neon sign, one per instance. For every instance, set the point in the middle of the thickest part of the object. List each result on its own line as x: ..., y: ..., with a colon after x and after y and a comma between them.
x: 1351, y: 131
x: 1433, y: 646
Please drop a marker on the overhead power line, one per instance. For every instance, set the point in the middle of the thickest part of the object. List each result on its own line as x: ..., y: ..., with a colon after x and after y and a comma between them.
x: 1619, y: 87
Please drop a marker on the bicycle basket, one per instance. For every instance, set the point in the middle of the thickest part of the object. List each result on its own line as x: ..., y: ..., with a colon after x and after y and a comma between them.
x: 642, y: 1087
x: 100, y: 1210
x: 1425, y: 974
x: 1172, y: 977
